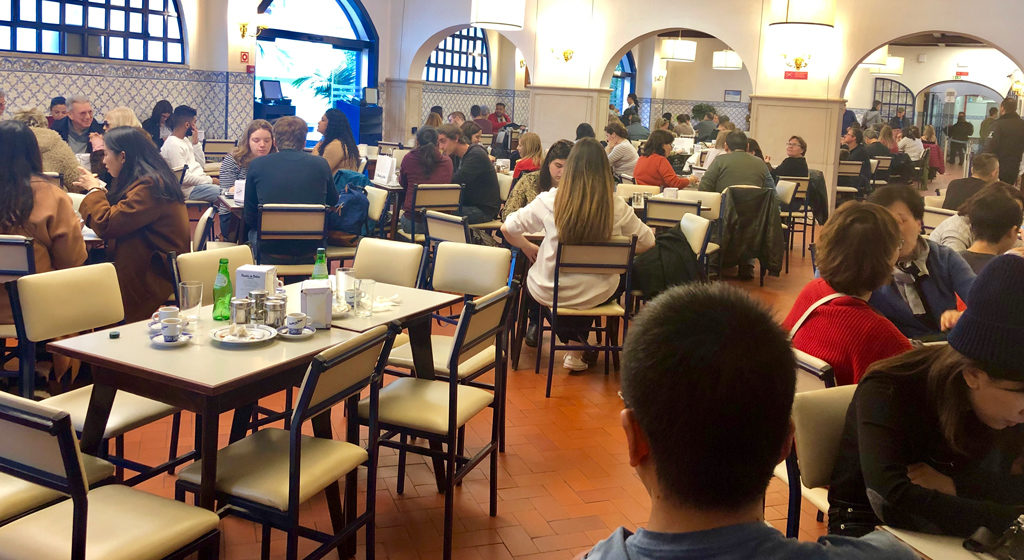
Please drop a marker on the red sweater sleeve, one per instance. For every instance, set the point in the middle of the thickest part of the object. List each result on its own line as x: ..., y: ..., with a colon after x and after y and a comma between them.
x: 882, y: 341
x: 669, y: 177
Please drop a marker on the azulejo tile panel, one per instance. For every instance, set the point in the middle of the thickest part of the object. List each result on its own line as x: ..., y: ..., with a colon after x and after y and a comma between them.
x: 460, y: 98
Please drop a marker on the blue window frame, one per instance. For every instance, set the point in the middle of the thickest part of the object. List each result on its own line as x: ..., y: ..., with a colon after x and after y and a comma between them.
x: 461, y: 58
x: 623, y: 81
x: 143, y: 30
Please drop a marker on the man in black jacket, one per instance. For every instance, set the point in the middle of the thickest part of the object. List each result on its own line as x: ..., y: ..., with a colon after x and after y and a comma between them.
x: 958, y: 133
x: 78, y: 125
x: 481, y: 198
x: 1007, y: 141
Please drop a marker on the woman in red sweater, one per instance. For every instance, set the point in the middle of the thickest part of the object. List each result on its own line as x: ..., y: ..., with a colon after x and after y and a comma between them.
x: 653, y: 167
x: 856, y: 252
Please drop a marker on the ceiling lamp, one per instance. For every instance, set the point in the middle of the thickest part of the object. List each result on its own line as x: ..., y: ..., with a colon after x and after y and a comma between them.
x: 893, y: 67
x: 726, y: 60
x: 804, y: 12
x: 679, y: 50
x: 803, y: 30
x: 877, y: 59
x: 505, y: 15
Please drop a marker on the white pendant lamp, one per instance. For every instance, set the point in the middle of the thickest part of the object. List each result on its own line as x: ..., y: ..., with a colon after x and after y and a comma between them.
x: 505, y: 15
x: 893, y: 67
x: 679, y: 50
x: 726, y: 60
x: 877, y: 59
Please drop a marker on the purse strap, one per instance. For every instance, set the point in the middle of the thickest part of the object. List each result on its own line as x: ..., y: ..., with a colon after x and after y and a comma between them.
x: 815, y: 305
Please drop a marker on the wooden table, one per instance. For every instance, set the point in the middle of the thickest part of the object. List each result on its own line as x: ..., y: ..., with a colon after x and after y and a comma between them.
x: 396, y: 194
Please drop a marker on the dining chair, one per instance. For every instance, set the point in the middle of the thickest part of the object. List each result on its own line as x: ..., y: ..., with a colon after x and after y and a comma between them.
x: 798, y: 216
x: 697, y: 231
x: 58, y: 176
x: 439, y: 197
x: 666, y: 212
x: 298, y: 224
x: 112, y: 521
x: 442, y: 227
x: 504, y: 188
x: 881, y: 170
x: 38, y: 318
x: 850, y: 169
x: 20, y: 497
x: 390, y: 262
x: 786, y: 190
x: 438, y: 410
x: 76, y: 200
x: 933, y: 216
x: 378, y: 199
x: 202, y: 236
x: 202, y: 266
x: 614, y: 256
x: 268, y: 475
x: 17, y: 259
x: 216, y: 148
x: 179, y: 173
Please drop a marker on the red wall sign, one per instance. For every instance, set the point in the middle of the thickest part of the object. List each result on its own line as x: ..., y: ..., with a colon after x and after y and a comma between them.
x: 962, y: 73
x: 790, y: 75
x: 250, y: 69
x: 243, y: 57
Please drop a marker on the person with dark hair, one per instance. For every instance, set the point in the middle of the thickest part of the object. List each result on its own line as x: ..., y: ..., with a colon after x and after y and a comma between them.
x: 472, y: 133
x: 959, y: 134
x: 854, y: 141
x: 437, y: 109
x: 901, y: 121
x: 33, y: 206
x: 79, y: 123
x: 337, y: 145
x: 179, y: 151
x: 706, y: 129
x: 478, y: 116
x: 984, y: 172
x: 156, y: 124
x: 927, y: 279
x: 584, y: 130
x: 736, y: 167
x: 849, y: 119
x: 873, y: 116
x: 653, y: 167
x: 58, y: 110
x: 481, y: 198
x: 499, y: 118
x: 795, y: 164
x: 424, y: 165
x: 1007, y: 141
x: 683, y: 126
x: 995, y: 223
x: 636, y: 130
x: 141, y: 215
x: 632, y: 109
x: 831, y: 319
x: 707, y: 391
x: 985, y: 130
x: 534, y: 183
x: 933, y: 437
x: 621, y: 154
x: 955, y: 231
x: 874, y: 147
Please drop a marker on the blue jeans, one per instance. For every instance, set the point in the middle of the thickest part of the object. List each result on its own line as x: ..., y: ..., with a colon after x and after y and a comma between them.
x: 206, y: 193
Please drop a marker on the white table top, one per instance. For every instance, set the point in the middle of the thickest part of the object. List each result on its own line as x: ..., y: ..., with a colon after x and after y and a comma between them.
x: 412, y: 302
x: 390, y: 187
x: 936, y: 547
x: 89, y: 235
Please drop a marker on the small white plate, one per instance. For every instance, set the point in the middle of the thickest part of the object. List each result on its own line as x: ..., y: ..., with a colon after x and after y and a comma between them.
x: 255, y: 334
x: 158, y: 340
x: 339, y: 309
x: 306, y: 333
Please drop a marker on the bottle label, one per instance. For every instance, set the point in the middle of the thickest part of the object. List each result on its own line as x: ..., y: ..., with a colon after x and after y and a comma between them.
x: 220, y: 281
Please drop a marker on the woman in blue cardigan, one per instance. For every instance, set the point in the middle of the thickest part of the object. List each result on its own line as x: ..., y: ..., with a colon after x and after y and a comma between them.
x: 921, y: 298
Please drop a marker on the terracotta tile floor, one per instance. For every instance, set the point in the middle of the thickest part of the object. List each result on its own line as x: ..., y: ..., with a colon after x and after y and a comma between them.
x: 564, y: 480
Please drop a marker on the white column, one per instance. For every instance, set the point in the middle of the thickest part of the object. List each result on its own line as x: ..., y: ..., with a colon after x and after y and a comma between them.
x: 208, y: 36
x: 555, y: 112
x: 403, y: 100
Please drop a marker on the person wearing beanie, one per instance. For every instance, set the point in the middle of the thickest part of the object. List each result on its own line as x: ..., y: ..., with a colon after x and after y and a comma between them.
x: 934, y: 438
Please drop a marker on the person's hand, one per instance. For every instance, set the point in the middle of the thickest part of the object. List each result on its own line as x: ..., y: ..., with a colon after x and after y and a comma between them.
x: 949, y: 319
x: 694, y: 179
x: 530, y: 250
x: 87, y: 180
x: 767, y: 159
x: 216, y: 181
x: 926, y: 477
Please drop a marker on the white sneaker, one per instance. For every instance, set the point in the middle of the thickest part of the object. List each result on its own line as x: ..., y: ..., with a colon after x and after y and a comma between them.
x: 574, y: 361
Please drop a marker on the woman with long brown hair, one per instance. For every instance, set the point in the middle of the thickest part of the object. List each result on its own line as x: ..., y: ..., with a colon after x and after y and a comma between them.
x: 257, y: 141
x: 582, y: 209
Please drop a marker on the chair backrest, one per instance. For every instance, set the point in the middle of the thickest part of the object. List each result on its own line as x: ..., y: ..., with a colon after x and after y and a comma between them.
x: 626, y: 190
x: 614, y: 256
x: 216, y: 148
x: 17, y: 257
x: 486, y: 139
x: 710, y: 200
x: 697, y: 231
x: 372, y: 151
x: 933, y: 216
x: 785, y: 190
x: 504, y: 186
x: 666, y: 212
x: 291, y: 222
x: 800, y: 193
x: 470, y: 269
x: 201, y: 266
x: 883, y: 163
x: 874, y: 165
x: 38, y: 318
x: 812, y: 373
x: 703, y: 157
x: 934, y: 201
x: 480, y: 325
x: 203, y: 231
x: 390, y: 262
x: 399, y: 155
x: 387, y: 148
x: 179, y: 173
x: 76, y: 200
x: 378, y: 200
x: 447, y: 227
x: 850, y: 168
x: 362, y: 164
x: 440, y: 197
x: 342, y: 371
x: 628, y: 179
x: 819, y: 417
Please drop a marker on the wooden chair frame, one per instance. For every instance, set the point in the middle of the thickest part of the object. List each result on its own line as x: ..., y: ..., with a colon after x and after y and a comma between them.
x: 25, y: 351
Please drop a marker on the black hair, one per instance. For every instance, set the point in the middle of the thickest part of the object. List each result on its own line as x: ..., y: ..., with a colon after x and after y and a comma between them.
x: 437, y: 109
x: 19, y: 162
x: 474, y: 111
x: 736, y: 140
x: 499, y: 103
x: 558, y: 150
x: 667, y: 116
x: 142, y: 160
x: 992, y: 111
x: 181, y: 114
x: 876, y: 105
x: 161, y: 107
x: 584, y: 130
x: 636, y: 102
x: 469, y: 129
x: 59, y: 100
x: 426, y: 146
x: 754, y: 148
x: 858, y: 135
x: 992, y: 213
x: 710, y: 377
x: 339, y: 129
x: 891, y: 194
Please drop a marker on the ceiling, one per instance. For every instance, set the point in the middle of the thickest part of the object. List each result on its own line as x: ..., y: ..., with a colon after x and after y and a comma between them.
x: 938, y: 40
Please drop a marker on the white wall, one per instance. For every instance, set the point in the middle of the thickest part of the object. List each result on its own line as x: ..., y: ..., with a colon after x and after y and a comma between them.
x: 697, y: 80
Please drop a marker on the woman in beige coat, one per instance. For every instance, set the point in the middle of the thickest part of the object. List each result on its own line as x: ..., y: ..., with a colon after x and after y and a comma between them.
x: 56, y: 154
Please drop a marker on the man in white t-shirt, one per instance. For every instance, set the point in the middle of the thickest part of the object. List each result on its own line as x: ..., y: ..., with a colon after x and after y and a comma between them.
x: 179, y: 150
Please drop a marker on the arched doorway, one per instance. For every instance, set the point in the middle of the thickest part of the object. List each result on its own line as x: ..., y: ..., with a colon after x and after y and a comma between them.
x: 623, y: 81
x: 942, y: 101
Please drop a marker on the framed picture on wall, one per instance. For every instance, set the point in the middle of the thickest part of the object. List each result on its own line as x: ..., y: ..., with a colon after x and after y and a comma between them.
x: 732, y: 95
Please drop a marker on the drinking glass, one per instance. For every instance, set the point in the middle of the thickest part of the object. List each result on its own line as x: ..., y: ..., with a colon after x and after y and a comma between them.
x: 364, y: 297
x: 343, y: 287
x: 191, y: 293
x: 638, y: 200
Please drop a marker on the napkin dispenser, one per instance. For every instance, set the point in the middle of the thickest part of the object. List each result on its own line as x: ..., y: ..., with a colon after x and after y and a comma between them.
x: 316, y: 302
x: 251, y: 277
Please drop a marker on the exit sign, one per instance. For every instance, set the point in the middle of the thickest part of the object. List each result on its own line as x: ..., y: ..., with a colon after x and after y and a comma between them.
x: 962, y: 73
x: 795, y: 75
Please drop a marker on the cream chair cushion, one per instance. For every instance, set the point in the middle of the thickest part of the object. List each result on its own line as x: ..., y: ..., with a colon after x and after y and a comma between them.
x: 123, y: 524
x: 18, y: 496
x: 612, y: 309
x: 819, y: 417
x: 256, y: 468
x: 44, y: 320
x: 390, y: 262
x: 334, y: 252
x: 422, y: 404
x: 128, y: 412
x: 202, y: 266
x: 441, y: 345
x: 8, y: 331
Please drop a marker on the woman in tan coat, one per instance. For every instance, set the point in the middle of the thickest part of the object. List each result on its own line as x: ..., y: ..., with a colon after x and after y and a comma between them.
x: 337, y: 146
x: 142, y: 218
x: 57, y: 155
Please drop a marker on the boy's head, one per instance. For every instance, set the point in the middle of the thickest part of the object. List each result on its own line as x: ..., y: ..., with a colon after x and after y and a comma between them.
x: 995, y: 216
x: 182, y: 116
x: 707, y: 382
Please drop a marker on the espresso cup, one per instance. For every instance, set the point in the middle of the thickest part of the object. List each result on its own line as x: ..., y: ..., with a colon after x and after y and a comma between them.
x: 171, y: 329
x: 295, y: 322
x: 166, y: 312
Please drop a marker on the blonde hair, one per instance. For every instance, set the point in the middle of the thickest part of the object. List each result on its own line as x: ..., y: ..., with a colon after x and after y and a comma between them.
x: 720, y: 140
x: 583, y: 203
x: 529, y: 147
x: 886, y: 138
x: 433, y: 120
x: 31, y: 117
x: 122, y: 116
x: 661, y: 123
x: 929, y: 134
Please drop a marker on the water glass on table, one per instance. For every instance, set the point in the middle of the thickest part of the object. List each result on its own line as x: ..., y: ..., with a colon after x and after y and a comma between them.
x: 364, y: 297
x: 191, y: 294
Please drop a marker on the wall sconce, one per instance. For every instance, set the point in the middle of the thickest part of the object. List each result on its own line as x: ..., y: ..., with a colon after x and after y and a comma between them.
x: 660, y: 76
x: 565, y: 55
x: 252, y: 28
x: 806, y: 26
x: 522, y: 63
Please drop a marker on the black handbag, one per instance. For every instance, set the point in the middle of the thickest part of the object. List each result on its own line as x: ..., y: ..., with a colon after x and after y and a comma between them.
x: 1008, y: 546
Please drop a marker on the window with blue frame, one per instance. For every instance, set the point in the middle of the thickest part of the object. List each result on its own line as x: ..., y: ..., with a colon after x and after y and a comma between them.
x: 461, y: 58
x: 623, y: 81
x: 143, y: 30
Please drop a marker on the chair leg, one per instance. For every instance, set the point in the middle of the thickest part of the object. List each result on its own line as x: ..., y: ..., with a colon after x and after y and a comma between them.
x: 175, y: 431
x: 288, y: 394
x: 614, y: 334
x: 401, y: 465
x: 337, y: 513
x: 265, y: 543
x: 119, y: 452
x: 292, y: 547
x: 820, y: 516
x: 449, y: 500
x: 795, y: 495
x: 551, y: 361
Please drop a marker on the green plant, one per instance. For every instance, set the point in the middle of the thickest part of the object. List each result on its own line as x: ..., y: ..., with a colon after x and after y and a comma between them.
x: 701, y: 109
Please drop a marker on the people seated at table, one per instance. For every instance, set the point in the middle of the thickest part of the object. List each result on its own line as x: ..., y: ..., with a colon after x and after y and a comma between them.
x: 1007, y: 141
x: 337, y: 145
x: 661, y: 123
x: 936, y: 161
x: 582, y: 209
x: 706, y: 128
x: 57, y: 156
x: 901, y: 121
x: 530, y: 155
x: 424, y: 165
x: 683, y: 126
x: 636, y: 130
x: 32, y: 205
x: 78, y: 124
x: 995, y: 218
x: 543, y: 180
x: 257, y: 141
x: 457, y: 118
x: 584, y: 130
x: 984, y: 172
x: 911, y: 144
x: 795, y: 164
x: 921, y: 298
x: 180, y: 149
x: 156, y: 124
x: 118, y: 116
x: 854, y: 142
x: 707, y: 391
x: 856, y: 251
x: 955, y: 231
x: 142, y: 217
x: 873, y: 146
x: 480, y: 118
x: 499, y: 118
x: 736, y: 167
x: 717, y: 150
x: 58, y: 110
x: 481, y: 198
x: 622, y: 155
x: 653, y: 167
x: 933, y: 437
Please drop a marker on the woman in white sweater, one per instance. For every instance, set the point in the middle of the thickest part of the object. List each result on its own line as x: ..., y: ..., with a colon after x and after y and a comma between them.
x: 622, y: 155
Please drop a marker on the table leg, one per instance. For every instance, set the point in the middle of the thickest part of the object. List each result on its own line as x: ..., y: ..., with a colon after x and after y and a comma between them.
x: 208, y: 453
x: 100, y: 402
x: 423, y: 361
x: 240, y: 421
x: 396, y: 206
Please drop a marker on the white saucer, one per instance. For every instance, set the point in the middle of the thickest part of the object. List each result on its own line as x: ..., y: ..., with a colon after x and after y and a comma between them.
x: 339, y: 309
x: 158, y: 340
x: 306, y: 333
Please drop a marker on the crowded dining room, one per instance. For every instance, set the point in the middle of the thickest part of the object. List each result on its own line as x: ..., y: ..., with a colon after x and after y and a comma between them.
x: 518, y: 279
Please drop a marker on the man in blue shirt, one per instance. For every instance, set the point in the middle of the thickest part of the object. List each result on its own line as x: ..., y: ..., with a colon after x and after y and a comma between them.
x: 708, y: 380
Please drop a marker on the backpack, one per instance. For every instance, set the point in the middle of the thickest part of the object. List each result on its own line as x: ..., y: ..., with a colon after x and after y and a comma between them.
x: 346, y: 220
x: 669, y: 263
